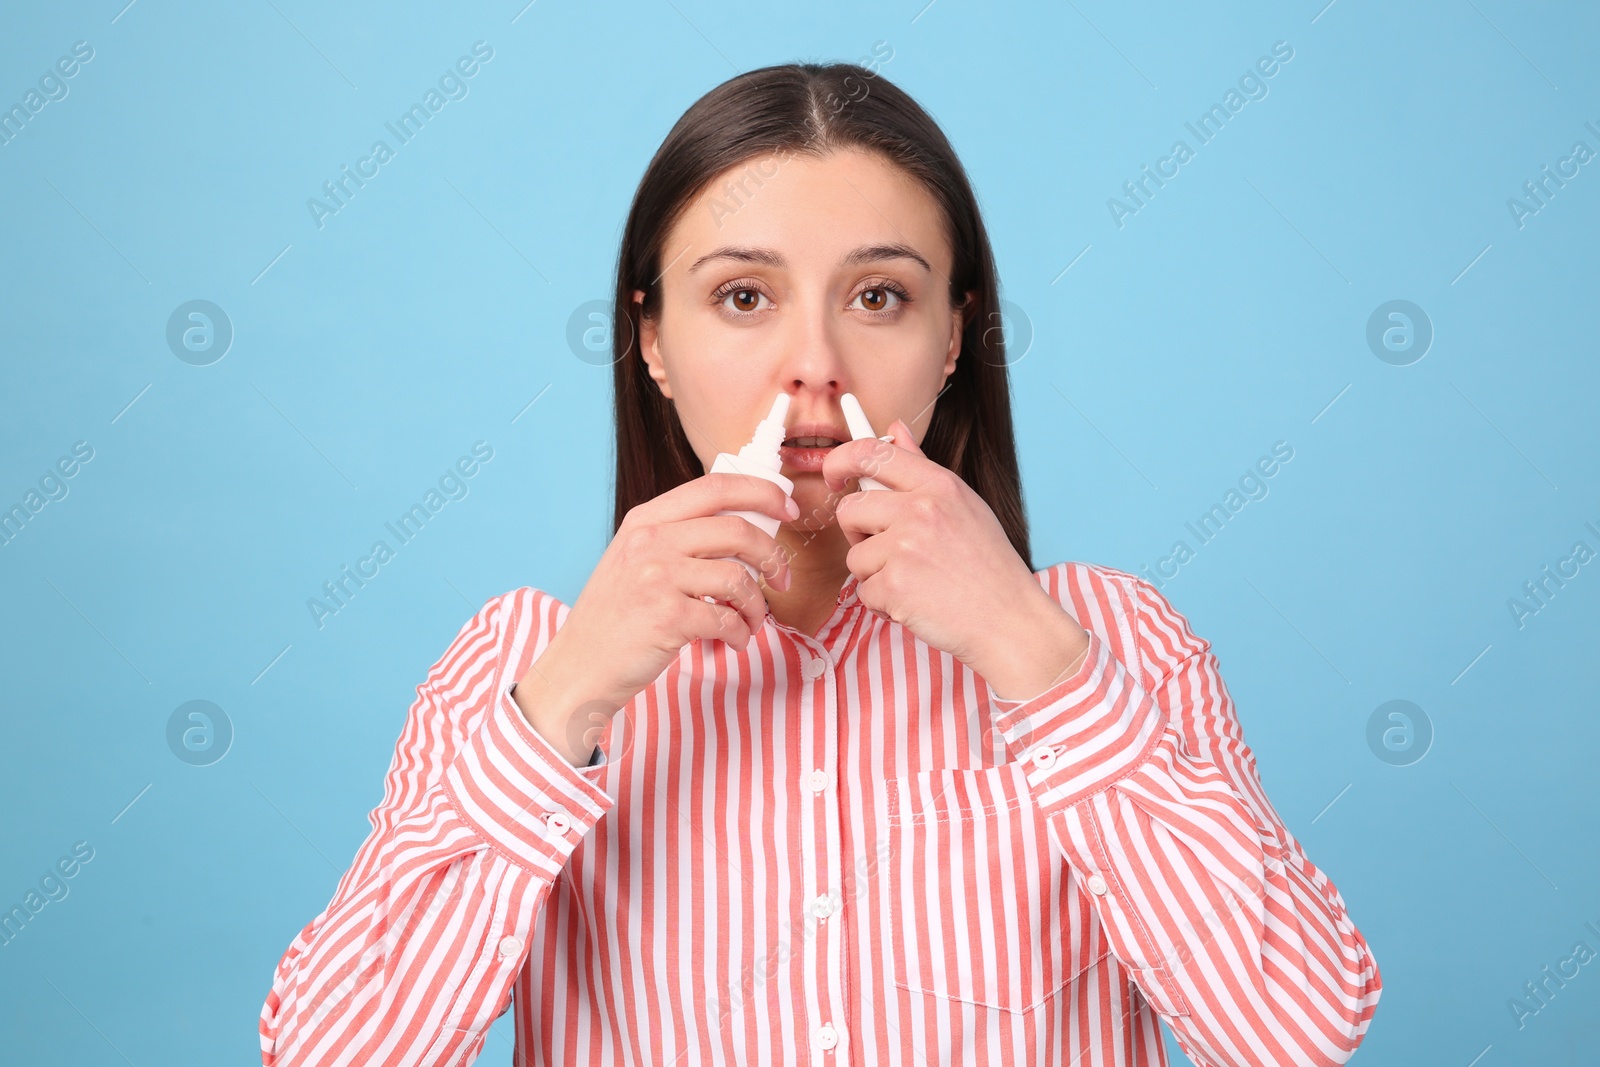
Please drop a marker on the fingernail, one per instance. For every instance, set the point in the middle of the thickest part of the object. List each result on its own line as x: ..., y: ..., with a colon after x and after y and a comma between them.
x: 790, y: 508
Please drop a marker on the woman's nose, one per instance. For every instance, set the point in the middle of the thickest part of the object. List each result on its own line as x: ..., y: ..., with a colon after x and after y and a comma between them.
x: 813, y: 359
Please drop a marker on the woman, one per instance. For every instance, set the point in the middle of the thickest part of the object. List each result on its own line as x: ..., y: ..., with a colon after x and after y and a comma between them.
x: 904, y: 801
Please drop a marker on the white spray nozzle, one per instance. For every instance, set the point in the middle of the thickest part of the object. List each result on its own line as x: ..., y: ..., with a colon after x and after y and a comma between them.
x: 768, y: 438
x: 860, y: 426
x: 855, y: 418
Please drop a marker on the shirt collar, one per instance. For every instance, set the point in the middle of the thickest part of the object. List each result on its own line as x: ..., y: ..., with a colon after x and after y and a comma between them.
x: 834, y: 626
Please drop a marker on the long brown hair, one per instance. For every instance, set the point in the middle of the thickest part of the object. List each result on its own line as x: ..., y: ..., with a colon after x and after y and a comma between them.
x: 812, y: 109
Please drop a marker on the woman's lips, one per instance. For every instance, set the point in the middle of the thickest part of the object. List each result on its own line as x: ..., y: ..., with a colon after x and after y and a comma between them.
x: 804, y: 458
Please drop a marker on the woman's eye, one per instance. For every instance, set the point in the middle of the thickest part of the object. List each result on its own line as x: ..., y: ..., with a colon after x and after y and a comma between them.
x: 744, y: 300
x: 879, y: 299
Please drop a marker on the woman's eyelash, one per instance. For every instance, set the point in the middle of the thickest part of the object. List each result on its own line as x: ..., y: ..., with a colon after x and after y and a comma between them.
x: 890, y: 287
x: 727, y: 289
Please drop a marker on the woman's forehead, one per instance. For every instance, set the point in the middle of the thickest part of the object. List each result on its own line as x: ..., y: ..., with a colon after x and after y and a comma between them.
x: 810, y: 213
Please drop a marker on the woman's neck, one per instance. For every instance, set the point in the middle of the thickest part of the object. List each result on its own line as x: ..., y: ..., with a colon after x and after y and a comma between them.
x: 817, y: 572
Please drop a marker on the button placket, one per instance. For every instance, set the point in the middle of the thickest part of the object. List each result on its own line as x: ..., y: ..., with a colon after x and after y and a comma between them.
x: 825, y: 943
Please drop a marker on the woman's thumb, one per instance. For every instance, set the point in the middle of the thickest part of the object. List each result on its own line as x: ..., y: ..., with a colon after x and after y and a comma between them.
x: 902, y: 436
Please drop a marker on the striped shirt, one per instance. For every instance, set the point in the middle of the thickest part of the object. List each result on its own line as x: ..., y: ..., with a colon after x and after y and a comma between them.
x: 829, y: 849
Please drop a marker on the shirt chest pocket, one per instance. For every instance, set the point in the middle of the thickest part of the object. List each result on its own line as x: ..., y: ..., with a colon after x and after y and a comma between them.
x: 983, y: 909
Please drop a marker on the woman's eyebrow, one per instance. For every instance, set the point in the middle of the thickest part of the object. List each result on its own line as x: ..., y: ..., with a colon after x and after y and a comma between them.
x: 875, y: 253
x: 770, y: 258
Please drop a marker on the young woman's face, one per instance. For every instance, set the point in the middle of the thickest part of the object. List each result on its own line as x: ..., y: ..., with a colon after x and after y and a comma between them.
x: 813, y: 277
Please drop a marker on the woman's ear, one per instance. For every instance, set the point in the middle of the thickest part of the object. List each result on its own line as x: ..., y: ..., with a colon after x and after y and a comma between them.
x: 958, y: 325
x: 649, y: 348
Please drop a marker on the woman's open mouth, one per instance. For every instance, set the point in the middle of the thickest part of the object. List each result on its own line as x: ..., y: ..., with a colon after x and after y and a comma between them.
x: 806, y: 453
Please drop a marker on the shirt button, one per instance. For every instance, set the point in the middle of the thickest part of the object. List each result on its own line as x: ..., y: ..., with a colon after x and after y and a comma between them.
x: 1044, y: 758
x: 827, y: 1036
x: 822, y: 906
x: 817, y: 780
x: 558, y: 823
x: 510, y: 946
x: 814, y: 669
x: 1097, y: 884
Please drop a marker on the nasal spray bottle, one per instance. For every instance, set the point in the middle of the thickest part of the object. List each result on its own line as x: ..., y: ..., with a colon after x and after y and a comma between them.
x: 759, y: 459
x: 856, y: 419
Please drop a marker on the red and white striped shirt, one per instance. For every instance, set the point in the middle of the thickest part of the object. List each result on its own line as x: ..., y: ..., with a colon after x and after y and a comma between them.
x: 829, y: 849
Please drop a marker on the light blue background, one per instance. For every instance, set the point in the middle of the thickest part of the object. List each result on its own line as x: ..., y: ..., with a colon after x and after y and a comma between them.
x: 1228, y: 314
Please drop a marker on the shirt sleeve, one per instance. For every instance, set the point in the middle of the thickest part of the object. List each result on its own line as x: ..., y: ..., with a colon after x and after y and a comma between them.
x: 415, y: 955
x: 1231, y: 933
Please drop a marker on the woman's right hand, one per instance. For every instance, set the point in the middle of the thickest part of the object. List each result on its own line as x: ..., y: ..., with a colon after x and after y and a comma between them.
x: 643, y: 602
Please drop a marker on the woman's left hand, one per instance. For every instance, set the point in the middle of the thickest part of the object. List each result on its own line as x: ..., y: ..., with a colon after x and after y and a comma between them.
x: 931, y: 556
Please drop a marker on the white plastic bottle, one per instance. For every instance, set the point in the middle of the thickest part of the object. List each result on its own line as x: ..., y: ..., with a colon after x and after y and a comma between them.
x: 760, y: 459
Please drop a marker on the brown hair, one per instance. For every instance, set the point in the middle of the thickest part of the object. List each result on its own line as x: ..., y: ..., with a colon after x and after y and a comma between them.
x: 812, y: 109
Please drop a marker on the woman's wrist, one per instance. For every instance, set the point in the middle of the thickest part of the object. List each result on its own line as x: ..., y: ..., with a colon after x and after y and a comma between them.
x: 558, y: 709
x: 550, y: 717
x: 1038, y: 648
